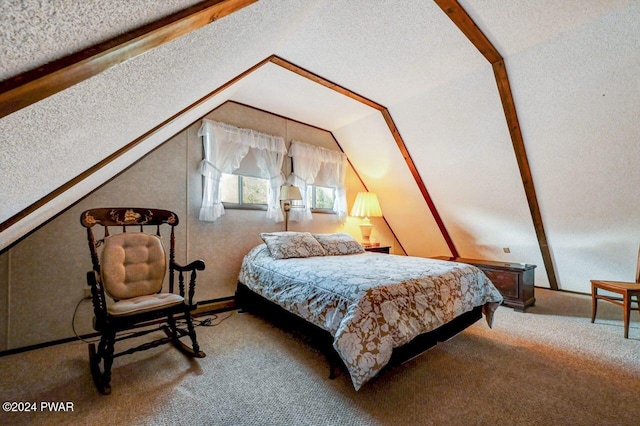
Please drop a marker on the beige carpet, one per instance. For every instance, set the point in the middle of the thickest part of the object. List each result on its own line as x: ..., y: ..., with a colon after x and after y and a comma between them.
x: 548, y: 366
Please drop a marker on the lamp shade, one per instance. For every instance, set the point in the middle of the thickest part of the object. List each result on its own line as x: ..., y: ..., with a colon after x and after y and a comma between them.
x: 366, y: 205
x: 290, y: 192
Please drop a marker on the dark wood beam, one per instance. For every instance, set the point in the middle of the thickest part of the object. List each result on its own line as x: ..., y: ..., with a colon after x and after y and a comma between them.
x: 106, y: 161
x: 504, y: 88
x: 32, y: 86
x: 324, y: 82
x: 463, y: 21
x: 394, y: 132
x: 421, y: 186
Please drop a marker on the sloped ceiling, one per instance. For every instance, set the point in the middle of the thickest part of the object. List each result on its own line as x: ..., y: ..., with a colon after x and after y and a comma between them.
x: 573, y: 66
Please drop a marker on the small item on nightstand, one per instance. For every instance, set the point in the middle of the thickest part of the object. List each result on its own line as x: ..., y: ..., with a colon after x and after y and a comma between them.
x: 369, y: 244
x: 378, y: 248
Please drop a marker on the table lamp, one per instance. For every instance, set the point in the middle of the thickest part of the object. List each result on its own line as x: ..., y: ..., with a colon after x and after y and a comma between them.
x: 288, y: 193
x: 366, y: 206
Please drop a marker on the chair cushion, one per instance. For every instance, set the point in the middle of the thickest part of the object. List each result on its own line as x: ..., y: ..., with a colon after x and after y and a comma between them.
x: 146, y: 303
x: 133, y: 264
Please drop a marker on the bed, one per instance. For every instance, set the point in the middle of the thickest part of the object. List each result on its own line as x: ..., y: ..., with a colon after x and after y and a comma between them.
x: 369, y: 303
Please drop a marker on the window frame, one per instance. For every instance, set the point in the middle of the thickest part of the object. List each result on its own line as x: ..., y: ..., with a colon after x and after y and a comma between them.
x: 313, y: 207
x: 255, y: 206
x: 241, y: 205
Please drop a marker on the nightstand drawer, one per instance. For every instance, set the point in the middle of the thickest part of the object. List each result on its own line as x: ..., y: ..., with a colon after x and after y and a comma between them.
x: 506, y: 282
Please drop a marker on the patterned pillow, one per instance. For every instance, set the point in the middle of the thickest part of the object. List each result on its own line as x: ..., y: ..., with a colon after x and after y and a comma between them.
x: 338, y: 244
x: 284, y: 245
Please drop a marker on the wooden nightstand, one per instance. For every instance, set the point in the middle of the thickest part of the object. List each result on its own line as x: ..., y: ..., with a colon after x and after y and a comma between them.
x: 379, y: 249
x: 513, y: 280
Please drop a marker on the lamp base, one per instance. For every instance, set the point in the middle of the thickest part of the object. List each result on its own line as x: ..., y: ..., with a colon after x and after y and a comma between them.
x: 369, y: 244
x: 365, y: 229
x: 286, y: 206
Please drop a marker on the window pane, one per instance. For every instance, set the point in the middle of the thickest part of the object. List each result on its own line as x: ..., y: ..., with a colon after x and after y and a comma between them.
x: 324, y: 197
x: 229, y: 188
x: 254, y: 190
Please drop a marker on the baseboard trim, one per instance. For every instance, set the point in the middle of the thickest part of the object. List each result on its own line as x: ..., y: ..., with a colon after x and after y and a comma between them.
x: 206, y: 307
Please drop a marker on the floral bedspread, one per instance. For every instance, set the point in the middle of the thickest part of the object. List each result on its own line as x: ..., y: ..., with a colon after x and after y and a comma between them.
x: 369, y: 302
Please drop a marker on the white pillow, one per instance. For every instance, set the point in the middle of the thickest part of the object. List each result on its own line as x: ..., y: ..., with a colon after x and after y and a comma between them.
x: 284, y: 245
x: 339, y: 244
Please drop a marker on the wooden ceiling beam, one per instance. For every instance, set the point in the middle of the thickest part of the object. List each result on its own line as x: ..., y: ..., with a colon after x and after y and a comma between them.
x: 32, y: 86
x: 394, y: 132
x: 508, y: 104
x: 463, y: 21
x: 106, y: 161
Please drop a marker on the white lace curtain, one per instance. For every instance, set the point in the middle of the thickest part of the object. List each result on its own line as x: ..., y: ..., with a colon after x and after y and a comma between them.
x: 320, y: 166
x: 224, y: 148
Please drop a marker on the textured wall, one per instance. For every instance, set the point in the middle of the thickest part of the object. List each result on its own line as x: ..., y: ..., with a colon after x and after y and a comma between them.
x: 577, y: 96
x: 459, y: 139
x: 371, y: 147
x: 45, y: 272
x: 48, y: 267
x: 228, y: 239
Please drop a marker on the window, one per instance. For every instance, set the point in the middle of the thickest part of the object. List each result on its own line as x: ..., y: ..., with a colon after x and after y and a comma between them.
x: 227, y: 149
x: 244, y: 191
x: 320, y: 198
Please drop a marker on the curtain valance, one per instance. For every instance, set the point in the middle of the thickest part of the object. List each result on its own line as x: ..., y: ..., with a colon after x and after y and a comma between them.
x: 251, y: 138
x: 320, y: 155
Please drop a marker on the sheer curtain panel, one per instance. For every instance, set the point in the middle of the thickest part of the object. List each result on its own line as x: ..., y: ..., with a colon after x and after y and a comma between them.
x: 314, y: 165
x: 270, y: 152
x: 224, y: 148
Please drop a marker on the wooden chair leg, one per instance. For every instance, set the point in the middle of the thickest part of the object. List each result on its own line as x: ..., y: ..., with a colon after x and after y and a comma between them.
x: 627, y: 313
x: 173, y: 328
x: 104, y: 354
x: 108, y: 361
x: 174, y: 333
x: 594, y: 303
x: 94, y: 365
x: 192, y: 335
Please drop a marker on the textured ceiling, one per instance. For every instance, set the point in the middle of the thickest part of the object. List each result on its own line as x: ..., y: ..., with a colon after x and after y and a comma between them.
x: 513, y: 26
x: 75, y: 129
x: 34, y: 32
x: 275, y: 89
x: 573, y: 67
x: 387, y: 53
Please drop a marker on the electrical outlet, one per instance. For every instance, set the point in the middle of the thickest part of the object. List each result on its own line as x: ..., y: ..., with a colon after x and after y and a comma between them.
x: 506, y: 250
x: 87, y: 293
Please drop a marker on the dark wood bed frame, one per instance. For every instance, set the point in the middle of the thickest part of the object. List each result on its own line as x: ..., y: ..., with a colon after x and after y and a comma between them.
x: 249, y: 301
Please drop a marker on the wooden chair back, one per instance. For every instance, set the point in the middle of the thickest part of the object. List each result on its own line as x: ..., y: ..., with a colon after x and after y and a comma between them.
x: 125, y: 218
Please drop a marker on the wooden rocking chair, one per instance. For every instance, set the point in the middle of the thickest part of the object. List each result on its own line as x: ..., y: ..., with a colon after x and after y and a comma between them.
x: 130, y: 268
